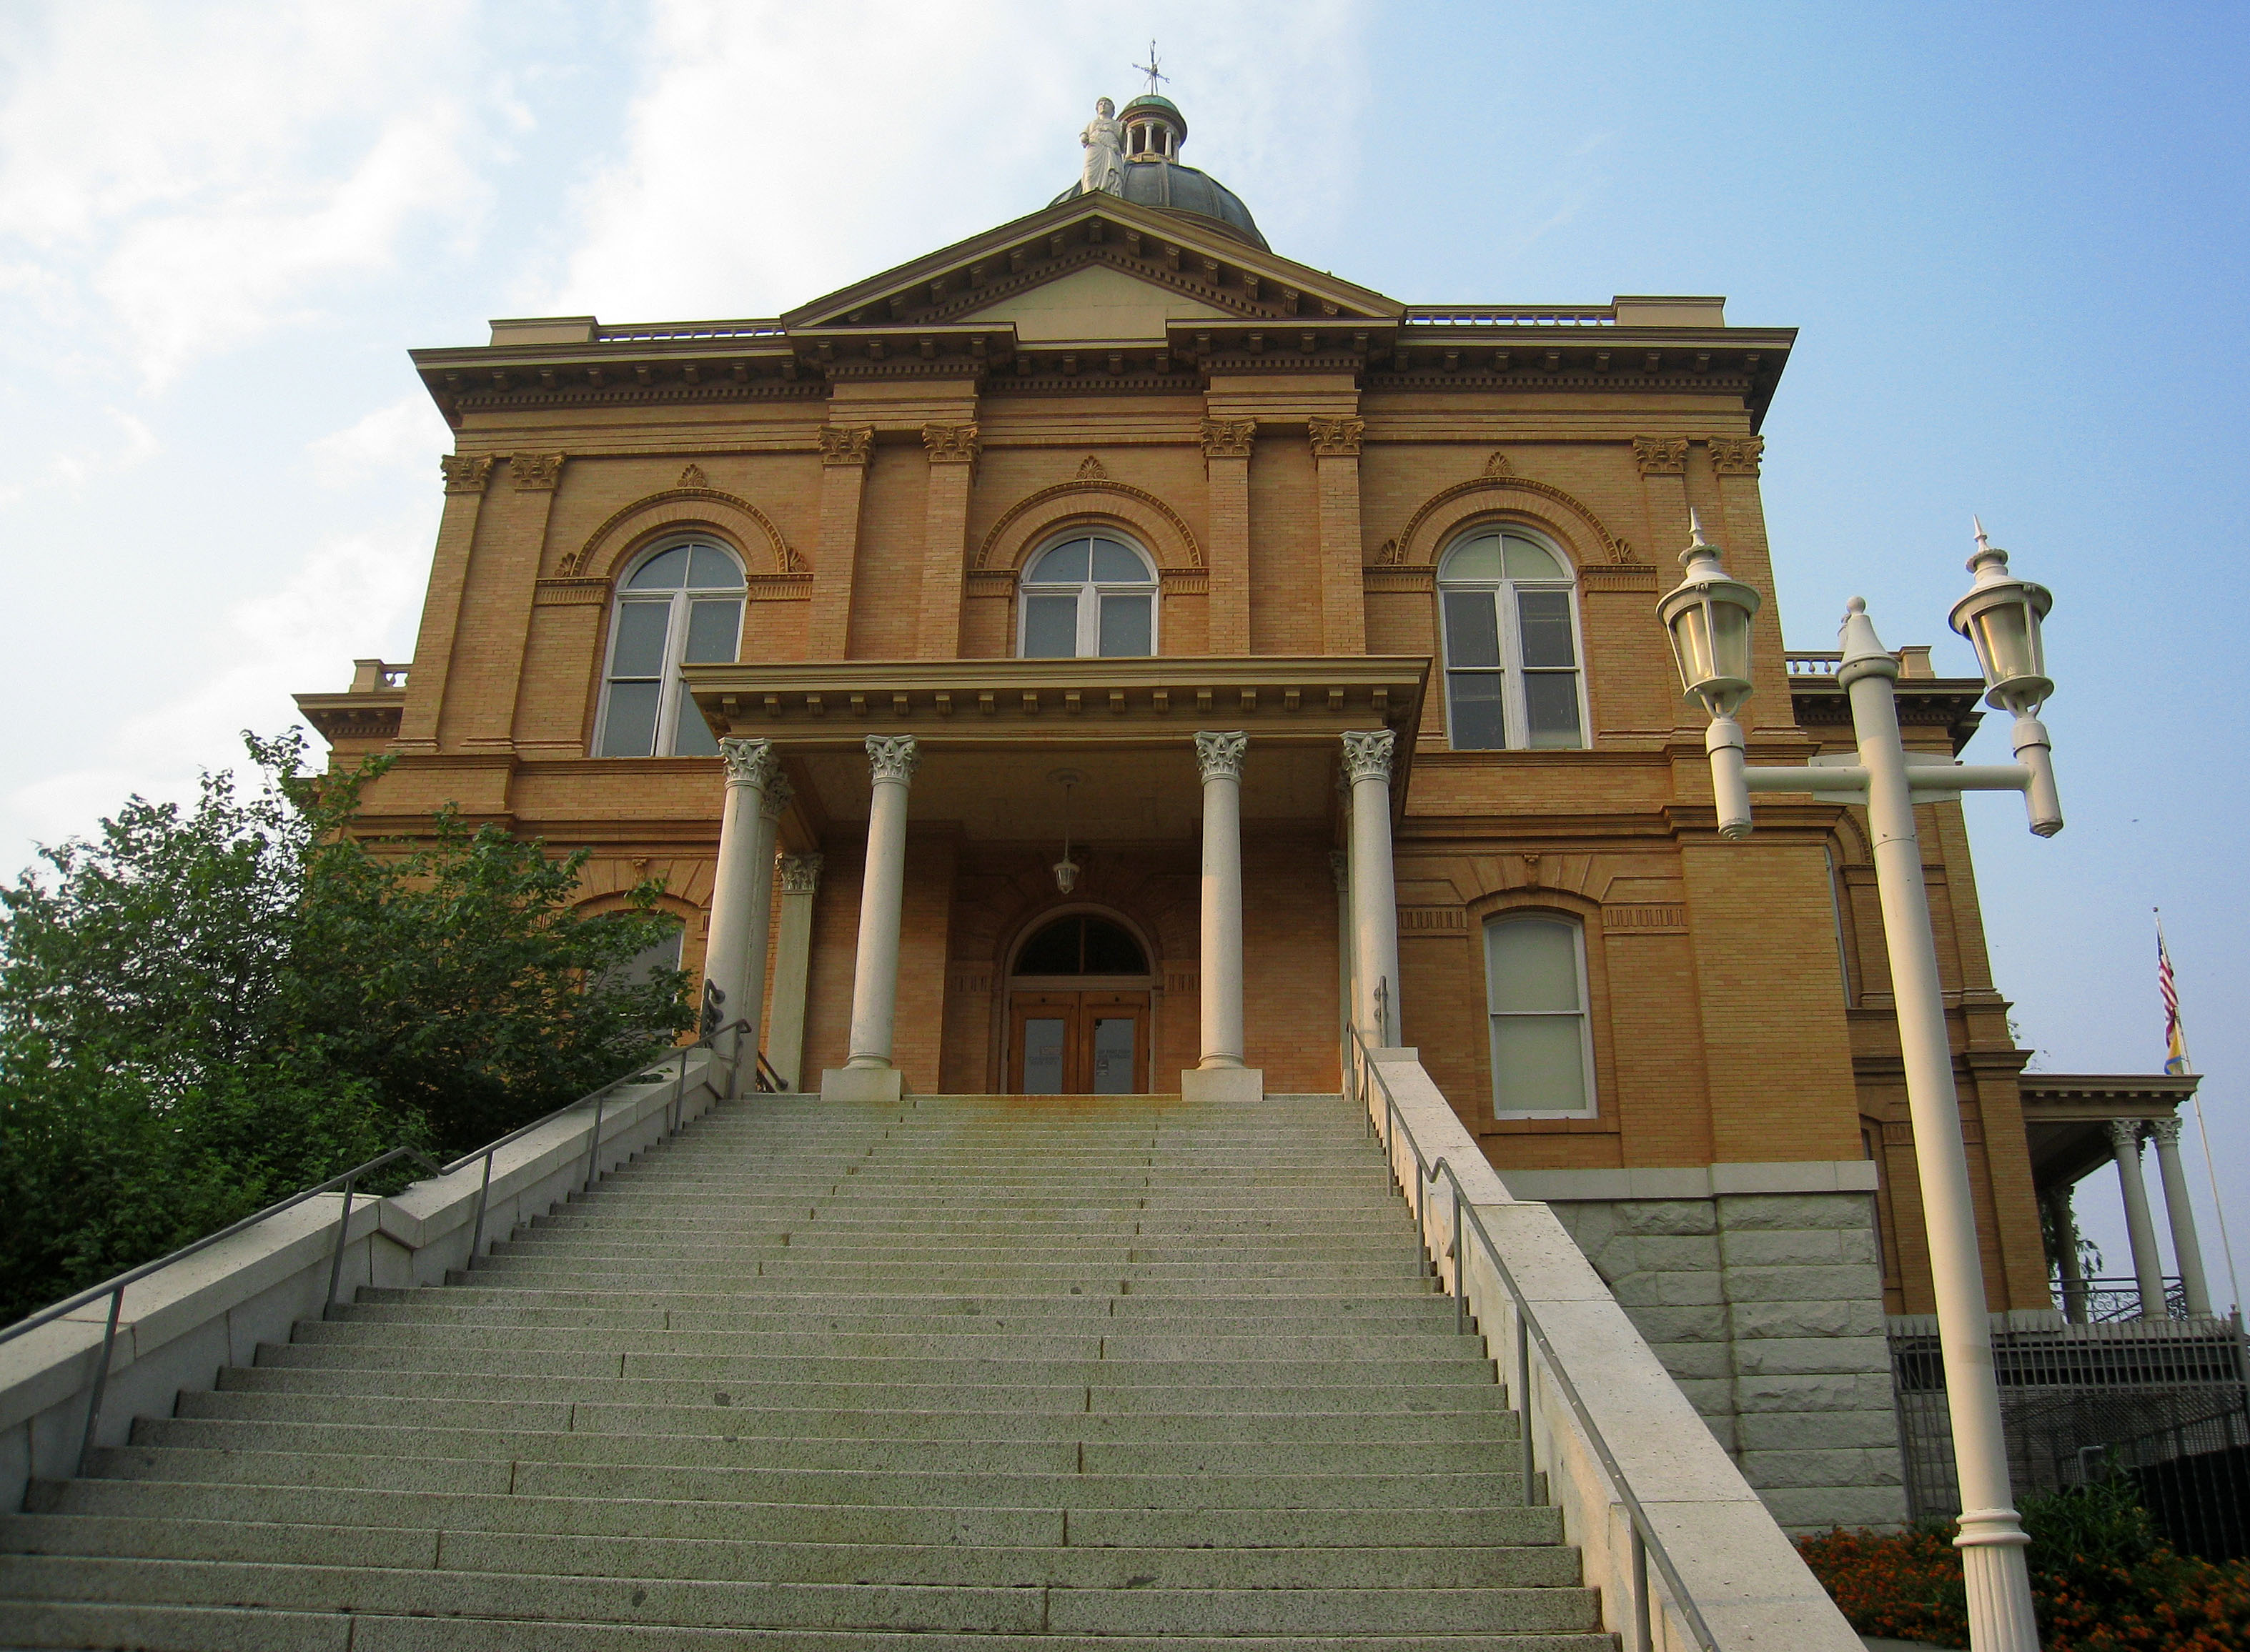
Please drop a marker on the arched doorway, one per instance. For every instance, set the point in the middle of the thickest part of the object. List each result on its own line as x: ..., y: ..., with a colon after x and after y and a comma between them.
x: 1078, y: 1009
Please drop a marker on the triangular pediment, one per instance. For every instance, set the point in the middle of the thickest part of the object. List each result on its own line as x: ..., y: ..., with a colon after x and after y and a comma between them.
x: 1094, y: 262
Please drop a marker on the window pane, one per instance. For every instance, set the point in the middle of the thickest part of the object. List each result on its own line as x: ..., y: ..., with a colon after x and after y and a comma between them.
x: 1043, y: 1055
x: 691, y: 735
x: 662, y: 572
x: 1529, y: 560
x: 1112, y: 1056
x: 1550, y: 705
x: 1477, y: 725
x: 1113, y: 564
x: 1531, y: 965
x: 1065, y: 565
x: 630, y: 729
x: 1538, y: 1065
x: 639, y: 969
x: 1477, y: 559
x: 1050, y: 626
x: 1125, y: 626
x: 714, y: 632
x: 711, y: 567
x: 1056, y: 950
x: 639, y: 649
x: 1112, y: 950
x: 1472, y: 628
x: 1545, y: 616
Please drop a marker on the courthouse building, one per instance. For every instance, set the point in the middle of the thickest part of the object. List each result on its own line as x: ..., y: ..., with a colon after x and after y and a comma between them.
x: 1321, y: 626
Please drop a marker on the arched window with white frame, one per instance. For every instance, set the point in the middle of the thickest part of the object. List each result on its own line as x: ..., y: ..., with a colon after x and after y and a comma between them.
x: 1510, y: 609
x: 1090, y: 595
x: 1543, y: 1044
x: 682, y: 604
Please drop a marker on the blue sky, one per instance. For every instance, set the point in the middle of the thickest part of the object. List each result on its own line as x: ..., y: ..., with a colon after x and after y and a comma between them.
x: 2013, y: 237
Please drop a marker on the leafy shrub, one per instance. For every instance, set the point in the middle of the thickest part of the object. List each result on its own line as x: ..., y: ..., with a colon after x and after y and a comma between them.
x: 2102, y: 1580
x: 203, y: 1009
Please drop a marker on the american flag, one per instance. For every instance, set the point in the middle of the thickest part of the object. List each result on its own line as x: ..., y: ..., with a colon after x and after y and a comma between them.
x: 2175, y: 1039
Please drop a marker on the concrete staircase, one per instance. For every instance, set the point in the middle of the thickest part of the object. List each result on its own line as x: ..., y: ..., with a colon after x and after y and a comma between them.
x: 852, y: 1379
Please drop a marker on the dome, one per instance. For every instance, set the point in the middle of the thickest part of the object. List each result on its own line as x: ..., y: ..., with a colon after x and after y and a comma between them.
x: 1173, y: 188
x: 1150, y: 175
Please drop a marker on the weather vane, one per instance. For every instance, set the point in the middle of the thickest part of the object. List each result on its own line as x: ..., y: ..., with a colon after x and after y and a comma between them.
x: 1151, y: 70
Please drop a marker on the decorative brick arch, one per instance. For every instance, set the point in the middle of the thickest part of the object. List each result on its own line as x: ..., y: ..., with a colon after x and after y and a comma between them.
x: 1032, y: 521
x: 677, y: 507
x: 1549, y: 508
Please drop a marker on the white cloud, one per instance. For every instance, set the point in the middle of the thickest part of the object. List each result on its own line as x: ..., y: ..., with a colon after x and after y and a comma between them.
x: 754, y: 178
x: 404, y: 437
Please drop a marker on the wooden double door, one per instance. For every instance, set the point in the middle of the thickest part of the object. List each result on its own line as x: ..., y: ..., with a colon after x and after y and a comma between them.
x: 1078, y: 1043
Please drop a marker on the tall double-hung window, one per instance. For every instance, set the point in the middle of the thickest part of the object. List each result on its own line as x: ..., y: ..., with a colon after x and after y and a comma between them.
x: 681, y: 605
x: 1512, y: 652
x: 1088, y: 596
x: 1542, y: 1047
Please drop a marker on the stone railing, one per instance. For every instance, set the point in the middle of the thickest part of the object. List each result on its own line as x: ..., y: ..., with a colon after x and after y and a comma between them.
x: 1511, y: 315
x: 687, y: 332
x: 1914, y: 661
x: 1636, y: 1472
x: 374, y: 676
x: 179, y: 1326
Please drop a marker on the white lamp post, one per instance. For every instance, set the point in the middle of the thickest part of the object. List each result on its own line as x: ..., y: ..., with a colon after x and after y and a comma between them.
x: 1707, y: 617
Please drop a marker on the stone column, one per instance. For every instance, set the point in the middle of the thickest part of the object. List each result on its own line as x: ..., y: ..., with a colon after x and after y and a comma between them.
x: 800, y: 879
x: 2148, y: 1264
x: 2065, y: 1222
x: 776, y: 797
x: 1220, y: 1074
x: 1340, y: 869
x: 1226, y: 445
x: 741, y: 870
x: 868, y: 1075
x: 2186, y: 1250
x: 465, y: 476
x: 1374, y: 896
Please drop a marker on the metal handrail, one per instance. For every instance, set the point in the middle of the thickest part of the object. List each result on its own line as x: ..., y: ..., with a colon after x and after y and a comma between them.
x: 1647, y: 1544
x: 114, y: 1288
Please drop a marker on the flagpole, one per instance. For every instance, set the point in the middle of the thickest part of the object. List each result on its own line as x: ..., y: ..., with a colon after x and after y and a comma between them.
x: 2210, y: 1172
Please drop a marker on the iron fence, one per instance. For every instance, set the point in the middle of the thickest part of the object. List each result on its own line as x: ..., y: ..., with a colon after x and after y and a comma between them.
x: 2192, y: 1476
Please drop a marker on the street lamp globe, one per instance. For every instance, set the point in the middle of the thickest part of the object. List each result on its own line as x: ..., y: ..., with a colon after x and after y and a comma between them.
x: 1709, y: 619
x: 2000, y: 616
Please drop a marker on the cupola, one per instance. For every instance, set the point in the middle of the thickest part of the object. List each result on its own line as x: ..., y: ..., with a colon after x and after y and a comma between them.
x: 1151, y: 130
x: 1155, y: 128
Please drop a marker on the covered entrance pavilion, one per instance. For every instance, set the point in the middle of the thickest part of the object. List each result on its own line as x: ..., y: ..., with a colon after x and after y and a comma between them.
x: 1211, y: 798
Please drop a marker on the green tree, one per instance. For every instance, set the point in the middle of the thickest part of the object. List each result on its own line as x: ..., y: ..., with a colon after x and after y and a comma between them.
x: 202, y: 1009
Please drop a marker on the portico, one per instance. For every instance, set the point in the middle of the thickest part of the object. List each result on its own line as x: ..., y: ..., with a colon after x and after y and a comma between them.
x: 1208, y: 791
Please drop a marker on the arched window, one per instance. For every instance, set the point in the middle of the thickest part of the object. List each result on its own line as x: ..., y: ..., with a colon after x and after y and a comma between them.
x: 1543, y: 1048
x: 1090, y: 596
x: 1511, y: 631
x: 681, y: 605
x: 1080, y: 944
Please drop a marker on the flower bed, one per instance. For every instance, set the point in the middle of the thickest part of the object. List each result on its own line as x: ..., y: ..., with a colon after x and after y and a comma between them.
x: 2102, y: 1581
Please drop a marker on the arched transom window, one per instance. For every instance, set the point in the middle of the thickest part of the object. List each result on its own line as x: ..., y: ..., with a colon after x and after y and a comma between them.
x: 681, y: 605
x: 1090, y: 596
x: 1511, y: 631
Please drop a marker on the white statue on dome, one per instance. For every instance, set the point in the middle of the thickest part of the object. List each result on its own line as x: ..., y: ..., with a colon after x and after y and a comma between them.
x: 1104, y: 141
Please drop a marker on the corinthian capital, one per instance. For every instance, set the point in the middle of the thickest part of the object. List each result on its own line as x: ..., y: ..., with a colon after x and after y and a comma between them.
x: 893, y: 757
x: 2167, y: 1131
x: 779, y: 795
x: 536, y: 473
x: 1367, y: 754
x: 950, y: 443
x: 2125, y: 1136
x: 839, y: 445
x: 1335, y: 438
x: 466, y: 473
x: 750, y: 762
x: 800, y: 874
x: 1219, y: 755
x: 1228, y: 438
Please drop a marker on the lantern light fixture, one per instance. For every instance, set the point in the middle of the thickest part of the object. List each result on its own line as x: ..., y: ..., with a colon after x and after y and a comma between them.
x: 1708, y: 617
x: 2000, y: 616
x: 1065, y: 870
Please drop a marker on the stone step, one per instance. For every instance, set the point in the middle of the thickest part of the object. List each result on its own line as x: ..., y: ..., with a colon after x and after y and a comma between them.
x: 1073, y: 1315
x: 1108, y: 1346
x: 701, y: 1411
x: 1485, y: 1526
x: 468, y: 1302
x: 1143, y: 1285
x: 186, y: 1628
x: 703, y: 1482
x: 712, y: 1450
x: 967, y: 1403
x: 959, y: 1249
x: 1146, y: 1610
x: 946, y: 1565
